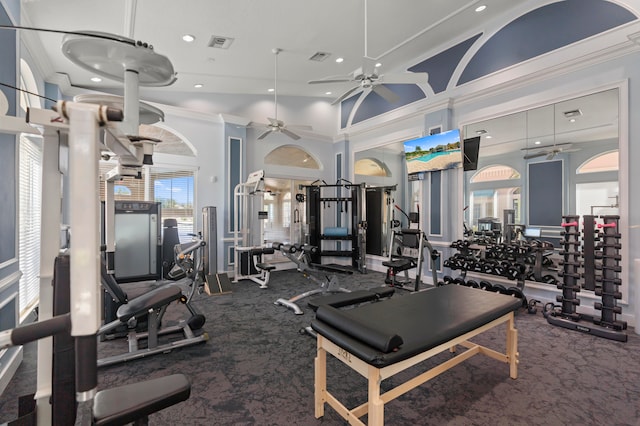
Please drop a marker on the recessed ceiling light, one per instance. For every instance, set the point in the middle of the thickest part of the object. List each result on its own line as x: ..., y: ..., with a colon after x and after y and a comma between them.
x: 270, y: 90
x: 481, y: 132
x: 96, y: 79
x: 327, y: 93
x: 188, y: 38
x: 339, y: 60
x: 573, y: 120
x: 379, y: 64
x: 537, y: 143
x: 198, y: 85
x: 481, y: 8
x: 489, y: 137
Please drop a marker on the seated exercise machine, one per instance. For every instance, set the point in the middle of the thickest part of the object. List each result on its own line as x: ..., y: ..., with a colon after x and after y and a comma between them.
x: 75, y: 314
x: 252, y: 267
x: 406, y: 252
x: 363, y: 339
x: 153, y: 305
x: 324, y: 275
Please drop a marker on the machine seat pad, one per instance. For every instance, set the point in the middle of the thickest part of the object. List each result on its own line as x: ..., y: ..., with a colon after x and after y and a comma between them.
x: 424, y: 320
x: 261, y: 250
x: 265, y: 266
x: 399, y: 264
x: 340, y: 269
x: 125, y: 404
x: 339, y: 300
x: 155, y: 298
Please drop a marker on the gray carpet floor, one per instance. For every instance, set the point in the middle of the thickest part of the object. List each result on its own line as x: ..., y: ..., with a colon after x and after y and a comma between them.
x: 257, y: 368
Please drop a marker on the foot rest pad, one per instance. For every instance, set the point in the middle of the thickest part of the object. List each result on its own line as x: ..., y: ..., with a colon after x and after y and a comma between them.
x: 265, y: 266
x: 338, y: 300
x: 125, y: 404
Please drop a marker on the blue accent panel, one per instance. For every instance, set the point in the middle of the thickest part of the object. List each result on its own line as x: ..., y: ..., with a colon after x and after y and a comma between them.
x: 543, y: 30
x: 442, y: 66
x: 435, y: 207
x: 374, y: 104
x: 8, y: 219
x: 234, y: 167
x: 8, y: 63
x: 50, y: 91
x: 346, y: 107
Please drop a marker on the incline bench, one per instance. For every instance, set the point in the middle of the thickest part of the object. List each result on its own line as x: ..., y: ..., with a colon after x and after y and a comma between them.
x: 379, y: 340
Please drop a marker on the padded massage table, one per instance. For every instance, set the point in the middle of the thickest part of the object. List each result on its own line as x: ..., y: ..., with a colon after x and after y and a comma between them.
x: 381, y: 339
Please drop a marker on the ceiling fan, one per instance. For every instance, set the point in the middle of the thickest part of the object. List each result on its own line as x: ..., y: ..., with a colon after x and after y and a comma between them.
x: 276, y: 125
x: 367, y: 77
x: 550, y: 151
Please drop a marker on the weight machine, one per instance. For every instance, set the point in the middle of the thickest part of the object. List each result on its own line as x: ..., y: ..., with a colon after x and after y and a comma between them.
x: 406, y: 252
x: 354, y: 233
x: 248, y: 250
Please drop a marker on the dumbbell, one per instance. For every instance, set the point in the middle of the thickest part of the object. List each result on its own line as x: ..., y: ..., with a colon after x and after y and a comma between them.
x: 561, y: 299
x: 616, y: 294
x: 472, y: 284
x: 499, y: 288
x: 517, y: 293
x: 600, y: 307
x: 486, y: 285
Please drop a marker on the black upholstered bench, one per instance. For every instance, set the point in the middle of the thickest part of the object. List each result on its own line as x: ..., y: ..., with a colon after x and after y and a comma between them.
x: 379, y: 340
x: 130, y: 403
x: 339, y: 300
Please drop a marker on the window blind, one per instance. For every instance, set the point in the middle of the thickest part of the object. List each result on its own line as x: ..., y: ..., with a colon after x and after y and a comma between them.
x: 30, y: 199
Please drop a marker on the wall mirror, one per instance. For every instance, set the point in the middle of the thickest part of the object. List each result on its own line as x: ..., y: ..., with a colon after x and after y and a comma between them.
x: 536, y: 165
x: 383, y: 171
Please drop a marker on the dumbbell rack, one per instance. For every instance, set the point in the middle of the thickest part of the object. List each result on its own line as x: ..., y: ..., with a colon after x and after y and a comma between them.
x: 609, y: 255
x: 607, y: 326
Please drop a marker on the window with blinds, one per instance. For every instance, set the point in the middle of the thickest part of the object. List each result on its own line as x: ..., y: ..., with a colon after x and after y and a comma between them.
x: 30, y: 200
x: 173, y: 189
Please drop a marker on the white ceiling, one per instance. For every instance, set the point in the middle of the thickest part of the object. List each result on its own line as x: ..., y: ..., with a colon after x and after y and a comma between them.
x: 400, y: 33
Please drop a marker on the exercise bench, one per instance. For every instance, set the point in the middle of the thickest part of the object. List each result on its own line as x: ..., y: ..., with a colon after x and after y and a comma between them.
x: 379, y: 340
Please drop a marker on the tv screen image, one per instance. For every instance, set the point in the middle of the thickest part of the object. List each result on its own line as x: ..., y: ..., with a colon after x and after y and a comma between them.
x: 434, y: 152
x: 471, y: 150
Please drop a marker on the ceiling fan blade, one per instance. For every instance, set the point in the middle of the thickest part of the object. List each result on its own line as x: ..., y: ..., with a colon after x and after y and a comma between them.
x: 536, y: 155
x: 337, y: 79
x: 385, y: 93
x: 265, y: 134
x: 406, y: 78
x: 552, y: 155
x: 345, y: 95
x: 555, y: 145
x: 255, y: 124
x: 275, y: 122
x: 289, y: 133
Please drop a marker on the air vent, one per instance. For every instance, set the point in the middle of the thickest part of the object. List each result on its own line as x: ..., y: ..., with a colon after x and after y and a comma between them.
x: 319, y: 56
x: 572, y: 113
x: 220, y: 42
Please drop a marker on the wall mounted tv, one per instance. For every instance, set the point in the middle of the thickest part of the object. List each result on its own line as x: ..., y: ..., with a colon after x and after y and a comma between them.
x: 440, y: 151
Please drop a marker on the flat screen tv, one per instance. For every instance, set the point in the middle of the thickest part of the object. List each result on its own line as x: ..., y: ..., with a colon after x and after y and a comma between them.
x: 440, y: 151
x: 471, y: 149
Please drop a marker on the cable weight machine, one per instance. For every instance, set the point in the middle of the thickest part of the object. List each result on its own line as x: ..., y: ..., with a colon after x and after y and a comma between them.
x: 320, y: 196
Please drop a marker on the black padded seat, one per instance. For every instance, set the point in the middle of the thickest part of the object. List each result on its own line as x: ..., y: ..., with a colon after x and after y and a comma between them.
x: 339, y: 300
x: 265, y: 266
x: 154, y: 299
x: 128, y: 403
x: 332, y: 267
x: 422, y: 320
x: 399, y: 264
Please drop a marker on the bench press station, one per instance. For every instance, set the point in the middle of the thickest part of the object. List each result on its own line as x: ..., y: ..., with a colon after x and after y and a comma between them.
x: 300, y: 255
x: 379, y: 340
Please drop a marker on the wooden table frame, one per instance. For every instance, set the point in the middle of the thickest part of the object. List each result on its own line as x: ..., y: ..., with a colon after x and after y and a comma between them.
x: 374, y: 408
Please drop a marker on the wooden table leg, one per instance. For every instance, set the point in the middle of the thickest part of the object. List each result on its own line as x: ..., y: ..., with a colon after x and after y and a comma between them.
x: 320, y: 386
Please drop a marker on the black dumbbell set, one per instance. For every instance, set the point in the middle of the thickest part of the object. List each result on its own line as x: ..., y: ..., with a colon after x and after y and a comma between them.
x: 486, y: 286
x: 601, y: 252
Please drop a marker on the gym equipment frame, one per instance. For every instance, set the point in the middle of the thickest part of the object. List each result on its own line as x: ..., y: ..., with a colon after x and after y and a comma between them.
x: 357, y: 339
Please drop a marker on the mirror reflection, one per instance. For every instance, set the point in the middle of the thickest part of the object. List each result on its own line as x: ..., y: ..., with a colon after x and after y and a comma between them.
x: 536, y: 166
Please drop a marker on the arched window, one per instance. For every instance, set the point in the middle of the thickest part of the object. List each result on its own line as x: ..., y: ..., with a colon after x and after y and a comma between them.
x: 493, y: 173
x: 605, y: 162
x: 371, y: 167
x: 292, y: 156
x: 28, y: 84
